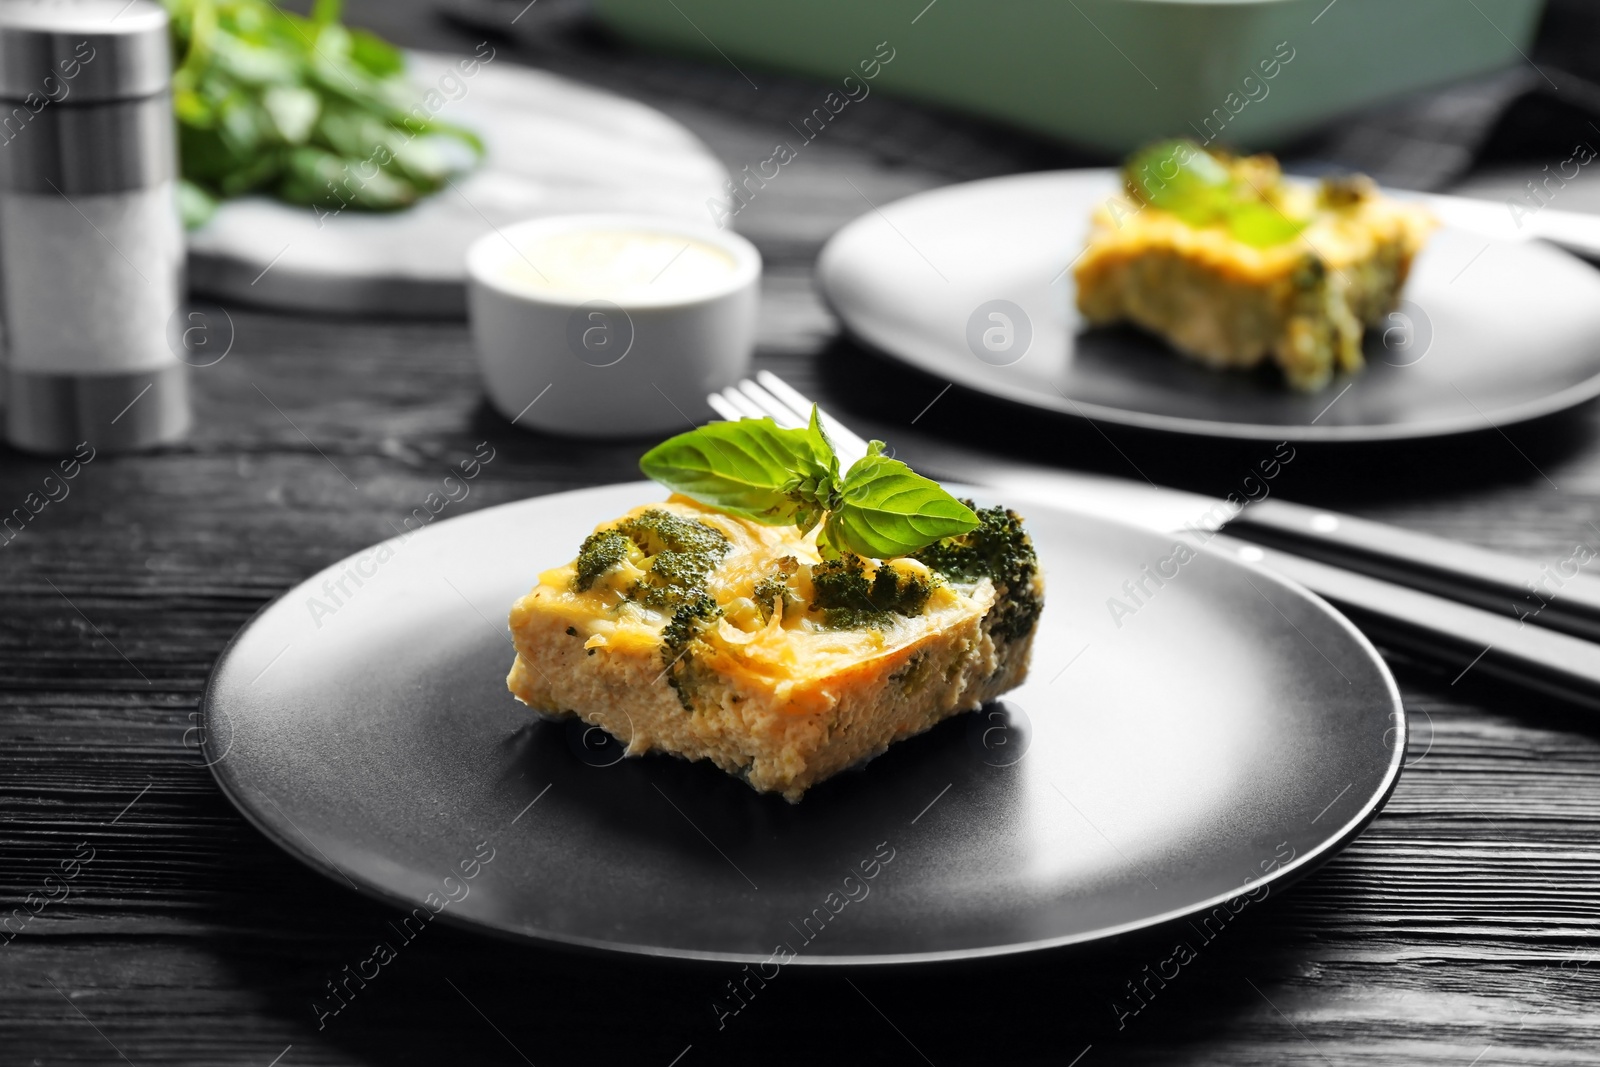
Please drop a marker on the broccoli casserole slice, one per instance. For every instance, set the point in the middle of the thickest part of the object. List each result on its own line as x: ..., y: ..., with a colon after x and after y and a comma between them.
x: 695, y: 632
x: 1232, y: 265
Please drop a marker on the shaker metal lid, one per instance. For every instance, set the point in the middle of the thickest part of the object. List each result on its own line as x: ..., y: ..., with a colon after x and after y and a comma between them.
x: 82, y: 51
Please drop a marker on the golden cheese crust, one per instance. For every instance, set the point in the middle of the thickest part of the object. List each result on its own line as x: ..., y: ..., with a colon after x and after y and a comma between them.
x: 1303, y: 303
x: 782, y: 701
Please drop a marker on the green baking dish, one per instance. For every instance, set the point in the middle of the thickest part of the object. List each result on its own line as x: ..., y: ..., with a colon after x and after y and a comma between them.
x: 1106, y: 74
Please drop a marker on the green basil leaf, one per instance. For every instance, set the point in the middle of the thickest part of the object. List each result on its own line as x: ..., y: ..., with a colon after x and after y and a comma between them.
x: 752, y: 468
x: 1261, y: 225
x: 1181, y: 177
x: 195, y: 205
x: 818, y: 488
x: 886, y: 509
x: 326, y: 12
x: 257, y: 86
x: 377, y: 56
x: 821, y: 445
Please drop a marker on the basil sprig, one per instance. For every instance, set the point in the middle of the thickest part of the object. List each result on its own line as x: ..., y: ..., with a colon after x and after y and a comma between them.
x: 1181, y: 177
x: 304, y: 108
x: 758, y: 470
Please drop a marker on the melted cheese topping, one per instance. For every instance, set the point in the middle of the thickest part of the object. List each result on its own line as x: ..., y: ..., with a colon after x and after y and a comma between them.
x: 787, y: 648
x: 1340, y: 236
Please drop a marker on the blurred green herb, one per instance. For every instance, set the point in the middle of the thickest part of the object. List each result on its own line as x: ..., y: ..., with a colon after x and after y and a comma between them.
x: 1181, y: 177
x: 300, y: 107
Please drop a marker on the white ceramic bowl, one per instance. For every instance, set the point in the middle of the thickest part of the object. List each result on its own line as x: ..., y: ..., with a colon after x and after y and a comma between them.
x: 564, y: 354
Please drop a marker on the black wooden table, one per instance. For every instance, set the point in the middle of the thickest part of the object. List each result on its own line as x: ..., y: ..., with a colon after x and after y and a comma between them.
x: 1462, y: 928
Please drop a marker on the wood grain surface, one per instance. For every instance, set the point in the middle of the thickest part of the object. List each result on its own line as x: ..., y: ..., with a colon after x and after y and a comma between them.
x: 1463, y: 928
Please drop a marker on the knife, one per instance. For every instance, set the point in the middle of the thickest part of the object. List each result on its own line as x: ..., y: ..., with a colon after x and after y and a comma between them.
x: 1463, y: 608
x: 1574, y: 231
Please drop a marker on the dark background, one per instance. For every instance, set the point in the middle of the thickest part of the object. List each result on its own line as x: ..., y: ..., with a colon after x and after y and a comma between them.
x: 1463, y: 927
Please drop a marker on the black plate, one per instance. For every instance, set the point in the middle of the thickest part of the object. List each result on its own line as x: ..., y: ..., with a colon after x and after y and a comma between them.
x: 1490, y: 332
x: 1234, y: 728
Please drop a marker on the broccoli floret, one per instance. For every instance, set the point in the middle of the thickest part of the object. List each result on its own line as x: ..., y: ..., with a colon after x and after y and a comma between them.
x: 672, y: 577
x: 1345, y: 190
x: 998, y: 549
x: 849, y: 600
x: 772, y: 592
x: 656, y: 531
x: 686, y: 624
x: 688, y: 621
x: 598, y: 554
x: 685, y: 552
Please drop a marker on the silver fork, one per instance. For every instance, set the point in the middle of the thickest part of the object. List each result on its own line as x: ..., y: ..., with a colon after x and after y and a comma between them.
x: 768, y: 394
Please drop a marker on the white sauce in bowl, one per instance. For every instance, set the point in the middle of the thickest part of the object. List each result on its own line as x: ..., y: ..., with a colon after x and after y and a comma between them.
x: 618, y: 265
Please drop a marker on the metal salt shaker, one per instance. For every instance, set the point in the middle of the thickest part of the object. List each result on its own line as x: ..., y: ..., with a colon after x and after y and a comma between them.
x: 91, y: 244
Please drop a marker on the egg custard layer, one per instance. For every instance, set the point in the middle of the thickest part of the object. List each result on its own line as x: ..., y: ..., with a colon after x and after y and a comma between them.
x: 688, y: 630
x: 1302, y: 302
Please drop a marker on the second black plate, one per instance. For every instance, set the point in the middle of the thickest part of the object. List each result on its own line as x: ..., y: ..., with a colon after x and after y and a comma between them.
x: 1490, y: 332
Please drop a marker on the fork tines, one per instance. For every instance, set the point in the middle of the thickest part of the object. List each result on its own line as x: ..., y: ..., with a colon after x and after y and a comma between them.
x: 770, y: 395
